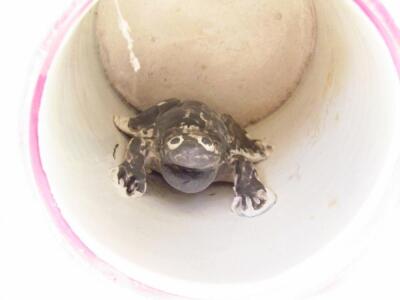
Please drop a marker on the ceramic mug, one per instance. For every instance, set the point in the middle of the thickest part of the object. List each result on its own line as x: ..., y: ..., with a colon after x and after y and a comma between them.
x: 337, y: 141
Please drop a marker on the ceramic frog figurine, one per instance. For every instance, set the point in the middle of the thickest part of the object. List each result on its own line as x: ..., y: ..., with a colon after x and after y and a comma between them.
x: 192, y: 146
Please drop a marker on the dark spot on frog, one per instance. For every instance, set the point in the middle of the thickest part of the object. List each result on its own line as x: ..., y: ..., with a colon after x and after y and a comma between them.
x: 206, y: 141
x: 153, y: 39
x: 203, y: 67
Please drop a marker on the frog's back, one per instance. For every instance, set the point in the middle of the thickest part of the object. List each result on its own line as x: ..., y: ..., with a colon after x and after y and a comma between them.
x: 191, y: 116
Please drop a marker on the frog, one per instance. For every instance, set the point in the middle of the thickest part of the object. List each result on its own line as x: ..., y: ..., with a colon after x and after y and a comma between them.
x: 193, y: 146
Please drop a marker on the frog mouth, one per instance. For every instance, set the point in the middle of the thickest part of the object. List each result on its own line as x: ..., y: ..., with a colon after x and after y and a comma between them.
x: 188, y: 180
x: 185, y: 170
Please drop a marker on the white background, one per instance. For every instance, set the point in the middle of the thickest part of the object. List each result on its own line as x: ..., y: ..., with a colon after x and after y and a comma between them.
x: 35, y: 264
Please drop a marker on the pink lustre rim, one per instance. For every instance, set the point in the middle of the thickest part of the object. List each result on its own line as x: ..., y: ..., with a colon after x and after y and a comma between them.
x: 373, y: 9
x: 50, y: 47
x: 386, y: 26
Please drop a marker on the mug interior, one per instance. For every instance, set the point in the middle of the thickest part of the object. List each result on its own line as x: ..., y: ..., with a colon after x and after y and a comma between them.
x: 333, y: 141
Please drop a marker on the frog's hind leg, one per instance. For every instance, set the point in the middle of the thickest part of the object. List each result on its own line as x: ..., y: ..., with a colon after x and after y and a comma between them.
x: 241, y: 144
x: 144, y: 131
x: 142, y: 125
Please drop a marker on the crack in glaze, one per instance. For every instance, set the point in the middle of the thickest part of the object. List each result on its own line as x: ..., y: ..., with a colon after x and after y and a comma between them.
x: 126, y: 33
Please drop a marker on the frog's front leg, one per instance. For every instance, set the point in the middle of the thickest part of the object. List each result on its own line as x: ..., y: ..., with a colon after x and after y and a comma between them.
x: 252, y: 198
x: 132, y: 171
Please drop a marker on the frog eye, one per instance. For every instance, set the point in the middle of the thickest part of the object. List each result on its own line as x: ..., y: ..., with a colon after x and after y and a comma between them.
x: 175, y: 142
x: 206, y: 143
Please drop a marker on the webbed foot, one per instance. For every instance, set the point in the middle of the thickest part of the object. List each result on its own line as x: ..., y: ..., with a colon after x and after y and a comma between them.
x: 253, y: 204
x: 252, y: 198
x: 133, y: 180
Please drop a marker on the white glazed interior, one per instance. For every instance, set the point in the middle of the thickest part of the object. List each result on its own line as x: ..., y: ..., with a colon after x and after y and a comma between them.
x: 333, y: 141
